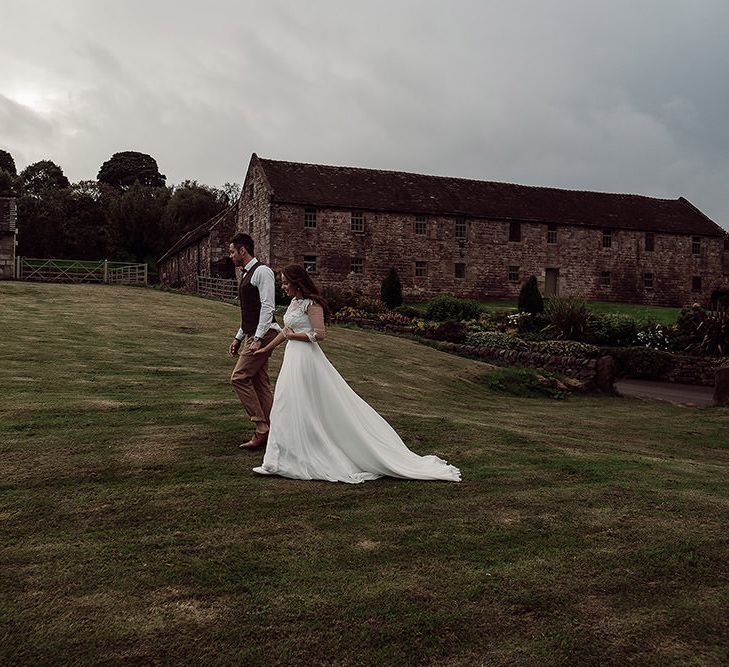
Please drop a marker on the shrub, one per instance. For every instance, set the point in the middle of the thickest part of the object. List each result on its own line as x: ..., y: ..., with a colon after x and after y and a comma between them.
x: 450, y: 308
x: 565, y: 348
x: 526, y: 383
x: 530, y: 298
x: 450, y: 331
x: 639, y: 362
x: 569, y: 318
x: 701, y: 331
x: 495, y: 339
x: 393, y: 317
x: 391, y: 290
x: 407, y: 311
x: 614, y: 329
x: 370, y: 306
x: 653, y: 335
x: 348, y: 313
x: 338, y: 298
x: 528, y: 322
x: 720, y: 298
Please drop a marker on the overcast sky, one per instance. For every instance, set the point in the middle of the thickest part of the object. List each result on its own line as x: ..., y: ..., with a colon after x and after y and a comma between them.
x: 623, y: 96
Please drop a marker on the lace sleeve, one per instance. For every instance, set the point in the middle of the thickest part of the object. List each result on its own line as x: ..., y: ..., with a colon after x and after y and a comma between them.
x: 316, y: 316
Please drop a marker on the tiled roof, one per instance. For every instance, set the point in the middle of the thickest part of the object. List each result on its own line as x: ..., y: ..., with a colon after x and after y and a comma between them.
x: 396, y: 191
x: 199, y: 232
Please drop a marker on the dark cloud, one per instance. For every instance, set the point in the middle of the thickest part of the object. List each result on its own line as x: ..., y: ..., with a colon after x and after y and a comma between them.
x: 618, y: 96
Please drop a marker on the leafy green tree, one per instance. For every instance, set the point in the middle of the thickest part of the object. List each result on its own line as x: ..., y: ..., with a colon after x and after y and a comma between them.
x: 391, y: 290
x: 7, y: 184
x: 530, y: 298
x: 190, y: 205
x: 85, y: 228
x: 135, y: 222
x: 123, y: 170
x: 41, y: 176
x: 7, y: 164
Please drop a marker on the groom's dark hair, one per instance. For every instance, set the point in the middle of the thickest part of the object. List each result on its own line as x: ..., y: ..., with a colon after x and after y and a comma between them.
x: 242, y: 240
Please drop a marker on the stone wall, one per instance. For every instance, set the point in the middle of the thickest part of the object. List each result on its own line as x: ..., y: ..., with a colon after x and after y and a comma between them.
x: 8, y: 219
x: 254, y: 213
x: 693, y: 370
x: 390, y: 240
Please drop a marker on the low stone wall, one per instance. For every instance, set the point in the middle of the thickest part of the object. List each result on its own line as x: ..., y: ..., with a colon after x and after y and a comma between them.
x: 693, y: 370
x: 594, y: 373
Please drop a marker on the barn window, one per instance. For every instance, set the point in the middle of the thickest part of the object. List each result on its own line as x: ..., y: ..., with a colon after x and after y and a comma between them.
x: 421, y: 226
x: 356, y: 264
x: 310, y: 218
x: 607, y: 238
x: 357, y: 221
x: 648, y: 280
x: 696, y: 284
x: 696, y: 245
x: 513, y: 274
x: 605, y: 279
x: 461, y: 230
x: 515, y: 231
x: 421, y: 269
x: 650, y: 241
x: 551, y: 233
x: 310, y: 263
x: 460, y: 270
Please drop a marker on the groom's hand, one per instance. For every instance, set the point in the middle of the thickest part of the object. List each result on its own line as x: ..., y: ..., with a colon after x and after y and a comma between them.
x: 255, y: 345
x: 234, y: 346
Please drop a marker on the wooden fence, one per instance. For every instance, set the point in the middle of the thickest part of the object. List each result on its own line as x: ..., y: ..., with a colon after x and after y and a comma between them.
x: 80, y: 271
x: 219, y: 288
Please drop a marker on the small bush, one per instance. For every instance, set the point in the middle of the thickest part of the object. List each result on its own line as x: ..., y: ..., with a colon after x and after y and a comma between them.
x: 391, y: 290
x: 338, y: 298
x: 702, y: 332
x: 495, y: 339
x: 450, y: 331
x: 528, y: 322
x: 348, y: 313
x: 569, y: 318
x: 614, y: 329
x: 720, y: 298
x: 526, y: 383
x: 393, y: 317
x: 530, y: 298
x: 450, y: 308
x: 639, y: 362
x: 370, y: 306
x: 407, y: 311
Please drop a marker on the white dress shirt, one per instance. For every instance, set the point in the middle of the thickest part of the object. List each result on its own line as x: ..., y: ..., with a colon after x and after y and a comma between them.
x: 265, y: 281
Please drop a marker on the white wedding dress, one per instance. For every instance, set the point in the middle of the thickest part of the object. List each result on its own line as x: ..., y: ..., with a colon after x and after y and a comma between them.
x: 321, y: 429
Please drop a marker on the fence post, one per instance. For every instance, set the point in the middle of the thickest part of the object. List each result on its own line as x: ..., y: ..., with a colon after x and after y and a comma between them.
x: 16, y: 272
x: 145, y: 273
x: 106, y: 271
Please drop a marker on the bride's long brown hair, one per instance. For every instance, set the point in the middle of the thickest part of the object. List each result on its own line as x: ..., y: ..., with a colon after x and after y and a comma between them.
x: 299, y: 278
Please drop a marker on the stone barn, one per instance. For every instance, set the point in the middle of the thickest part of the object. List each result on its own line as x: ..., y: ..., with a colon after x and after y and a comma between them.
x: 8, y: 219
x: 203, y: 251
x: 478, y: 239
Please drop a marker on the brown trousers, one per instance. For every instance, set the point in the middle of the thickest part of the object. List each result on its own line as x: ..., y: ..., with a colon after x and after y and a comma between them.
x: 250, y: 382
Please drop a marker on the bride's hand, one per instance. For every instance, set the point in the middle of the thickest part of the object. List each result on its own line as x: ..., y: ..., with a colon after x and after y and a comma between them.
x: 262, y: 350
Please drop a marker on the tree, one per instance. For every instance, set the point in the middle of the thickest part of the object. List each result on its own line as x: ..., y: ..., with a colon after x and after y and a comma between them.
x: 7, y: 184
x: 391, y: 290
x: 124, y: 169
x: 7, y: 164
x: 135, y: 222
x: 85, y: 229
x: 530, y: 298
x: 190, y: 205
x: 41, y: 176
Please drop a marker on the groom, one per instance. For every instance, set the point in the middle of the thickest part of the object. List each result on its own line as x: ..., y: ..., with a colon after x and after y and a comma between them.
x: 256, y: 293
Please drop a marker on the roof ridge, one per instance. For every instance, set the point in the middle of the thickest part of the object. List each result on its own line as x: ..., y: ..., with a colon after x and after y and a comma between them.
x: 467, y: 180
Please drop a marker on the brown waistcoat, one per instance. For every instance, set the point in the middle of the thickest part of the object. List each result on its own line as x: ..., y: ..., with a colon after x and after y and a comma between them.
x: 250, y: 302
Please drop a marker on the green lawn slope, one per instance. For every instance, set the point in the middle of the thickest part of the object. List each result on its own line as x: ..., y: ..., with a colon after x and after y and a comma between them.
x: 586, y: 531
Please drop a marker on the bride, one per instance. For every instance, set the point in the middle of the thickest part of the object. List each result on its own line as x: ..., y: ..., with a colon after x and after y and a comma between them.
x: 320, y: 428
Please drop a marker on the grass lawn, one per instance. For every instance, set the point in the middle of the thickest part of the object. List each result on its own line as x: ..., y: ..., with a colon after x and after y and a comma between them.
x: 659, y: 314
x: 591, y: 531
